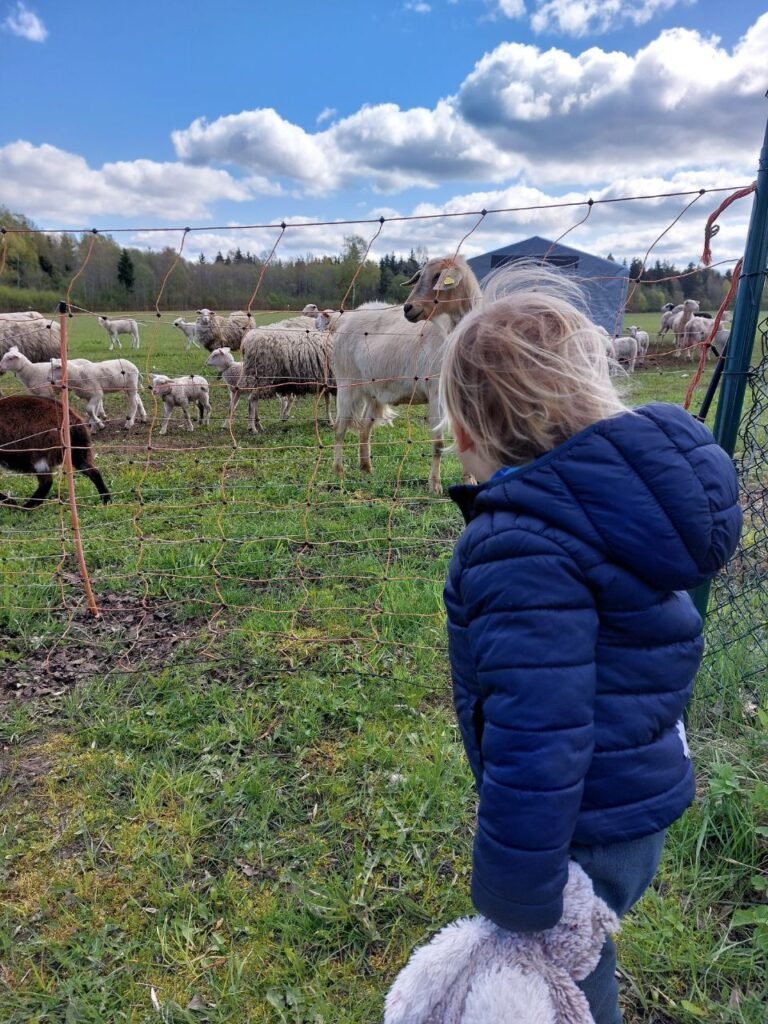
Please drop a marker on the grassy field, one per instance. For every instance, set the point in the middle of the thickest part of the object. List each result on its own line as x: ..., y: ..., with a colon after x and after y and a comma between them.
x: 240, y: 795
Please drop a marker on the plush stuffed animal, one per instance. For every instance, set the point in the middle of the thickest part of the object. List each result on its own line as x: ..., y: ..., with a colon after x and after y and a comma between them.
x: 473, y: 972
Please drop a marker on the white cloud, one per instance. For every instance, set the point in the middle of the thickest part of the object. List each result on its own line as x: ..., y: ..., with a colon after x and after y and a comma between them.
x: 417, y: 7
x: 582, y: 17
x: 26, y: 24
x: 543, y: 116
x: 510, y: 8
x: 51, y: 184
x: 326, y: 114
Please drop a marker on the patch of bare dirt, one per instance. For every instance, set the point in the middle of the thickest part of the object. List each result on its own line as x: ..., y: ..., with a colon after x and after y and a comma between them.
x: 132, y: 634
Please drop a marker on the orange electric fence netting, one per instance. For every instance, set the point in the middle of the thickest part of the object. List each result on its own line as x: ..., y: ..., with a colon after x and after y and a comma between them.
x: 220, y: 544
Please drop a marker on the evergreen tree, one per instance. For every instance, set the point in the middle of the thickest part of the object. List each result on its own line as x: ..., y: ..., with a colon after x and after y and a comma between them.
x: 125, y: 272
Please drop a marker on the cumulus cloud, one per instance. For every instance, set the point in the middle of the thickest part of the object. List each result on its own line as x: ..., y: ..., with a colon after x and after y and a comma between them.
x: 51, y: 184
x: 326, y: 114
x: 26, y: 24
x: 509, y: 8
x: 582, y: 17
x: 525, y: 113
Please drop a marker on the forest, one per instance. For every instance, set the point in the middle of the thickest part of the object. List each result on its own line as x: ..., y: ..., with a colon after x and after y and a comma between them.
x: 36, y: 269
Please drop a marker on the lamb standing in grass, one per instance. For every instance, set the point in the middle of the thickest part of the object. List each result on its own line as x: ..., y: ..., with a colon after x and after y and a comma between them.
x: 91, y: 381
x: 33, y: 334
x: 225, y: 362
x: 178, y: 392
x: 626, y: 349
x: 189, y: 329
x: 115, y: 328
x: 30, y: 442
x: 643, y: 342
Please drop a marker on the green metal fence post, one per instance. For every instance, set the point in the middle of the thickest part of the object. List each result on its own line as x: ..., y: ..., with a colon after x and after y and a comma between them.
x: 742, y: 338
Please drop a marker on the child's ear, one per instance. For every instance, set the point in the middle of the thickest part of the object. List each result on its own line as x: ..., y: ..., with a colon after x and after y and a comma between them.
x: 464, y: 441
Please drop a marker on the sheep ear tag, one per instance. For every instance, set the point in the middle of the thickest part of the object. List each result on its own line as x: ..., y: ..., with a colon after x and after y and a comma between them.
x: 449, y: 279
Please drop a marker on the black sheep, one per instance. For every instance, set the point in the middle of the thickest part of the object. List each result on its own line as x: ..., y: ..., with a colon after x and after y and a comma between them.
x: 30, y: 442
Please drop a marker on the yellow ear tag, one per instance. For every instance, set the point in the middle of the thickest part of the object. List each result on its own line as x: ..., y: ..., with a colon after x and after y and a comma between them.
x: 448, y: 281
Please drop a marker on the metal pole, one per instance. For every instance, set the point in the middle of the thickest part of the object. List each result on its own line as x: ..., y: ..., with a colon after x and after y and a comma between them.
x: 742, y: 338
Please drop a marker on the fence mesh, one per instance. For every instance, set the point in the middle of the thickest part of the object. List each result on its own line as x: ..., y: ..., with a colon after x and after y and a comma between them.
x: 232, y: 552
x: 737, y: 625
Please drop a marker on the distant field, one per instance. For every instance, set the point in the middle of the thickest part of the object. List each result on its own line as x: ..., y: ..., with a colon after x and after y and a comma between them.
x: 240, y: 795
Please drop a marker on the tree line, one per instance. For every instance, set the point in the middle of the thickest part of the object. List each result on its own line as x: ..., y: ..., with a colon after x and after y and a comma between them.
x: 37, y: 268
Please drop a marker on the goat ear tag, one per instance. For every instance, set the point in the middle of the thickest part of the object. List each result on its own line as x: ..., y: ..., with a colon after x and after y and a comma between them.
x: 447, y: 280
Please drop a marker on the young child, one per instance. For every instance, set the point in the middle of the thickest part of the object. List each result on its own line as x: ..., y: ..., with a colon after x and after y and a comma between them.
x: 573, y: 642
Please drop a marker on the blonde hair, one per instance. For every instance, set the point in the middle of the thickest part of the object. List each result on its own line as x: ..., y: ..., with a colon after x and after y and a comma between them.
x: 526, y: 369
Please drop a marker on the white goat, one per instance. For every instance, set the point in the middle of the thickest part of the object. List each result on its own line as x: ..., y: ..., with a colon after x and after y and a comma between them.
x: 178, y: 392
x: 381, y: 360
x: 189, y: 328
x: 91, y: 381
x: 115, y: 328
x: 643, y: 342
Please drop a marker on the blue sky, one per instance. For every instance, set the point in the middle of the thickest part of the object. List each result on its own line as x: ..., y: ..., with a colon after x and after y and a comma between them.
x: 169, y: 114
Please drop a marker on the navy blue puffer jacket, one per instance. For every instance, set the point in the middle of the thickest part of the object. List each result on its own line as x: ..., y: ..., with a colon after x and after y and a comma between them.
x: 574, y: 646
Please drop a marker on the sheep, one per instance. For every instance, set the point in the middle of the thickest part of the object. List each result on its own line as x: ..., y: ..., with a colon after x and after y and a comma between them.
x: 668, y: 313
x: 91, y: 381
x: 189, y: 328
x: 36, y: 377
x: 626, y: 350
x: 610, y: 349
x: 643, y: 342
x: 224, y: 361
x: 31, y: 333
x: 288, y: 359
x: 31, y: 442
x: 689, y: 309
x: 381, y: 361
x: 697, y: 331
x: 115, y: 328
x: 213, y: 331
x: 179, y: 392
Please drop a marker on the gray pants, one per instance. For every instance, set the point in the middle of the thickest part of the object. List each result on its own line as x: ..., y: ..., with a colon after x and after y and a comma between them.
x: 620, y: 873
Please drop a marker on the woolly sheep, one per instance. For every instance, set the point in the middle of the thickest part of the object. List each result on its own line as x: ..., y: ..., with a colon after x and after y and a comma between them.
x: 178, y: 392
x: 36, y: 377
x: 189, y: 328
x: 115, y: 328
x: 288, y: 359
x: 33, y: 334
x: 30, y: 442
x: 643, y: 341
x: 91, y: 381
x: 698, y: 330
x: 213, y: 331
x: 386, y: 356
x: 689, y: 308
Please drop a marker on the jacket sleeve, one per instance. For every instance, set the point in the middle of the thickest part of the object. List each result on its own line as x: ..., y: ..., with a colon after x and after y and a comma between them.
x: 533, y: 631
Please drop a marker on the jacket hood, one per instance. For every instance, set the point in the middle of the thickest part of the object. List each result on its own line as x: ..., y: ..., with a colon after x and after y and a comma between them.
x: 650, y: 488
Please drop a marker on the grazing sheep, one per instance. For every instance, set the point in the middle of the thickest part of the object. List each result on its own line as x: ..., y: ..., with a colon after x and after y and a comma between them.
x: 381, y: 361
x: 31, y: 333
x: 213, y: 331
x: 189, y: 328
x: 287, y: 359
x: 626, y: 349
x: 115, y: 328
x: 30, y: 442
x: 179, y: 392
x: 91, y: 381
x: 643, y: 342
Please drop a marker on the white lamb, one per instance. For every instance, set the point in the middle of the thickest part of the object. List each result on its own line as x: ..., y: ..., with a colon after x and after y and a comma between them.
x: 189, y: 328
x: 115, y: 328
x: 178, y: 392
x: 643, y: 342
x: 38, y: 378
x: 91, y: 381
x: 626, y: 349
x: 230, y: 370
x: 697, y: 331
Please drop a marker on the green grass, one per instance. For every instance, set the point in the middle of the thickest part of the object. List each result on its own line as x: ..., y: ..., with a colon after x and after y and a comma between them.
x: 256, y: 801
